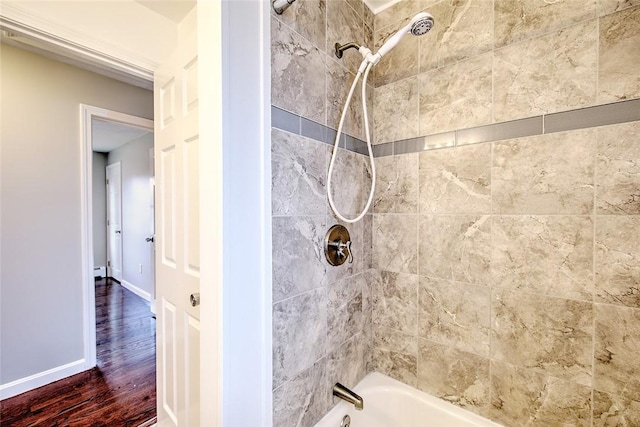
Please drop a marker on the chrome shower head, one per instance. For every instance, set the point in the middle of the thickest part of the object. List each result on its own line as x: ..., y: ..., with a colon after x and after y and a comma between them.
x: 419, y: 25
x: 422, y: 25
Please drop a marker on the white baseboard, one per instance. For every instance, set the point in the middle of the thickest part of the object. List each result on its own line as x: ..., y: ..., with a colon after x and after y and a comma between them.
x: 22, y: 385
x: 136, y: 290
x: 99, y: 271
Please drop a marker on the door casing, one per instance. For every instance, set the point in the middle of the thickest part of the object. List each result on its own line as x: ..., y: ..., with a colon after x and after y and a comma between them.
x: 87, y: 114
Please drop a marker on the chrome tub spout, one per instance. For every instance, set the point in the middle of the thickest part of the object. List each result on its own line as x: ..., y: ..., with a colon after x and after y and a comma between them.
x: 347, y: 395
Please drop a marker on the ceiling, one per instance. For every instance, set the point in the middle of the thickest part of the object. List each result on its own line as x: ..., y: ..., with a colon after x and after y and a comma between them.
x: 174, y: 10
x: 107, y: 136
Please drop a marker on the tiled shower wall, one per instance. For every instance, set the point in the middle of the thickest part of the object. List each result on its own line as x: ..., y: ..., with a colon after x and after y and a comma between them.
x: 321, y: 314
x: 483, y: 291
x: 488, y: 61
x: 507, y: 273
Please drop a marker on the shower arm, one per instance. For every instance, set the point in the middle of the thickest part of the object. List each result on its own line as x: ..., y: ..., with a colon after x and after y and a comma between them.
x: 341, y: 48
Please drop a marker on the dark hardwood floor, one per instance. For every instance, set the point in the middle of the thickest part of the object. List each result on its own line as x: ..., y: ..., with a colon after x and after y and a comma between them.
x: 120, y: 391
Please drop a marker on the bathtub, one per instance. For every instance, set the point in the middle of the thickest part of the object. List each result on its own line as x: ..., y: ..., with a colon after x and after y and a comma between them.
x: 390, y: 403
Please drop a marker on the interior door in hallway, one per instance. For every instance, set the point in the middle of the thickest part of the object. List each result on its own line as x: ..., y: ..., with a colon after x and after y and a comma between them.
x: 178, y: 235
x: 114, y: 221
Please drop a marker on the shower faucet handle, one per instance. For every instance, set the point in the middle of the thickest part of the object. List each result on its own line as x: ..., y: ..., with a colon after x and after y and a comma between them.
x: 337, y: 245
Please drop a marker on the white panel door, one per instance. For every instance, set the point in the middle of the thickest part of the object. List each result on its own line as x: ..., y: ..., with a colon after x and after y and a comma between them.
x: 114, y: 221
x: 177, y: 236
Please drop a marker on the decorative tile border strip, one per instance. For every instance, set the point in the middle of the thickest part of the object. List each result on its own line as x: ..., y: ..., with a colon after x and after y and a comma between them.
x: 599, y: 115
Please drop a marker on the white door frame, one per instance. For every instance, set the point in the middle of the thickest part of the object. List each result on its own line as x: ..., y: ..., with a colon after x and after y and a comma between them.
x: 87, y: 113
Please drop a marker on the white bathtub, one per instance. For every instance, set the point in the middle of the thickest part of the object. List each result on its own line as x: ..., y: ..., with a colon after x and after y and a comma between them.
x: 390, y: 403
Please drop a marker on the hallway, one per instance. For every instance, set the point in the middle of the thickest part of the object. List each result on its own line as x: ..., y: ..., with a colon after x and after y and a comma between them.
x: 120, y: 391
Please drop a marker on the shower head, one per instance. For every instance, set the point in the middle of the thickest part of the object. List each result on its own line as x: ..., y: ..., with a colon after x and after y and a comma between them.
x: 419, y: 25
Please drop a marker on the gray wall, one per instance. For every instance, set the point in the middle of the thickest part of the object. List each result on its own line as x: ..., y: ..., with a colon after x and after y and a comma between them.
x: 41, y: 284
x: 99, y: 210
x: 137, y: 216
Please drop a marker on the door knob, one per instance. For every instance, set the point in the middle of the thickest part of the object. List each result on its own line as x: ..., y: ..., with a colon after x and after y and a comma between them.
x: 118, y: 231
x: 195, y: 299
x: 149, y: 239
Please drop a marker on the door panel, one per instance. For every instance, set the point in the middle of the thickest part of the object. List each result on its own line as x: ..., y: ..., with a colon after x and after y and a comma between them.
x: 178, y: 230
x: 114, y: 221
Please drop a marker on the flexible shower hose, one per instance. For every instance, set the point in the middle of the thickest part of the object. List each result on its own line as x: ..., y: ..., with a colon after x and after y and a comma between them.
x: 366, y: 129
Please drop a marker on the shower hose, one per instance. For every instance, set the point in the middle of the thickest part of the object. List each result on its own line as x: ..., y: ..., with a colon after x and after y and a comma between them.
x: 366, y: 67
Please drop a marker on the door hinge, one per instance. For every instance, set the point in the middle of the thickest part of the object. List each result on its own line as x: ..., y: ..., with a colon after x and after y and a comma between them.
x: 108, y: 263
x: 107, y: 182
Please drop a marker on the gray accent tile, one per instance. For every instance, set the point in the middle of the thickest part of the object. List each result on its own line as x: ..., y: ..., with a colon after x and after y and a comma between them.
x: 311, y: 129
x: 356, y: 145
x: 499, y: 131
x: 382, y: 150
x: 439, y: 140
x: 608, y: 114
x: 423, y: 143
x: 285, y: 120
x: 330, y: 137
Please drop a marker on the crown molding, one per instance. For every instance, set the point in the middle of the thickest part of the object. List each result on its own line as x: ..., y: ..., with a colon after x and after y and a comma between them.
x: 23, y: 27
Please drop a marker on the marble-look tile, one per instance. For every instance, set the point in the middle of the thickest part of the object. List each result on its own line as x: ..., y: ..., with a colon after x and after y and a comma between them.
x: 339, y: 82
x: 344, y: 26
x: 618, y: 260
x: 456, y: 376
x: 455, y: 314
x: 395, y: 111
x: 299, y: 174
x: 617, y: 346
x: 521, y: 397
x: 395, y: 302
x: 618, y: 60
x: 524, y: 19
x: 606, y: 7
x: 615, y: 410
x: 551, y: 255
x: 546, y: 334
x: 456, y: 96
x: 298, y: 260
x: 618, y: 170
x: 396, y: 354
x: 302, y: 401
x: 397, y: 184
x: 347, y: 181
x: 395, y: 243
x: 555, y: 72
x: 307, y: 18
x: 367, y: 241
x: 299, y: 334
x: 369, y: 40
x: 398, y: 12
x: 455, y: 247
x: 357, y: 6
x: 456, y: 180
x: 297, y: 70
x: 347, y: 364
x: 546, y: 174
x: 344, y: 312
x: 399, y: 63
x: 368, y: 17
x: 463, y: 29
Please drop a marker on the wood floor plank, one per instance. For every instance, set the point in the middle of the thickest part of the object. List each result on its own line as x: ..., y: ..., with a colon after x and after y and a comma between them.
x: 120, y: 391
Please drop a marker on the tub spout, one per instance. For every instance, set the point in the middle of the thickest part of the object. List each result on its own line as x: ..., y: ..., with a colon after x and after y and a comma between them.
x: 347, y: 395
